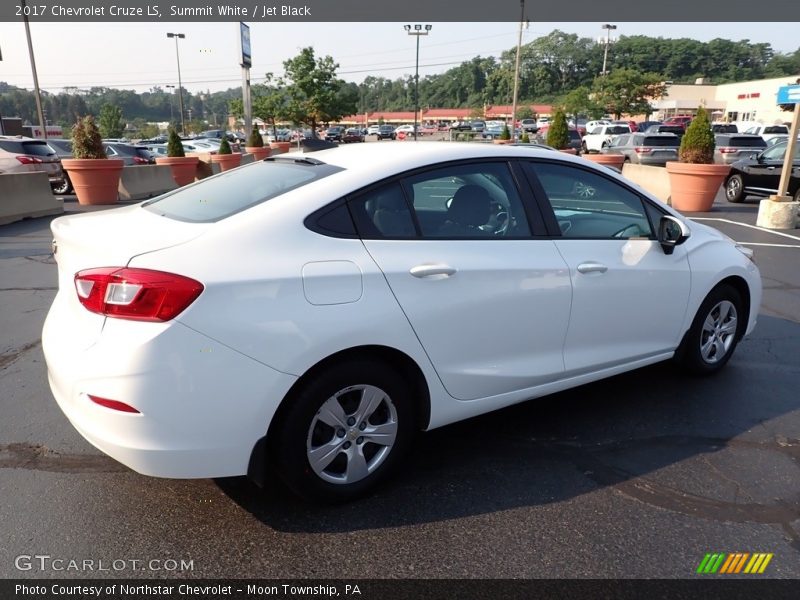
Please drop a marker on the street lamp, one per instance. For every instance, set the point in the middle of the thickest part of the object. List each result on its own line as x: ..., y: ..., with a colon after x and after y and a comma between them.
x: 608, y: 27
x: 180, y: 85
x: 171, y: 94
x: 417, y: 30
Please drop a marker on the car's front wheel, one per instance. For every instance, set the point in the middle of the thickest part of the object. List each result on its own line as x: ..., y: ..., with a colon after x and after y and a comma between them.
x: 345, y: 430
x: 734, y: 189
x: 714, y: 333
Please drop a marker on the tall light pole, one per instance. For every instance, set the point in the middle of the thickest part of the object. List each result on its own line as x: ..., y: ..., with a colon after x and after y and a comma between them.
x: 178, y: 36
x: 417, y: 30
x: 171, y: 94
x: 516, y: 72
x: 608, y: 27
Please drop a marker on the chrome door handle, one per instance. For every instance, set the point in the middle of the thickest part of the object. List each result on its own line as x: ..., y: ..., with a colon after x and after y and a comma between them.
x: 592, y: 267
x: 432, y: 270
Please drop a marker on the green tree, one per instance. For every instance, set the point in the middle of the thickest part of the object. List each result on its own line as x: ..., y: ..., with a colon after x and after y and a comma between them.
x: 697, y: 144
x: 86, y: 141
x: 580, y: 101
x: 270, y: 102
x: 627, y: 91
x: 174, y: 146
x: 313, y: 90
x: 110, y: 121
x: 557, y: 133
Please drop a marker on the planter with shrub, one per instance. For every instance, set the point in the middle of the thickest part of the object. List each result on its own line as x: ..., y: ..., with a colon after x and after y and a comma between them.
x: 505, y: 136
x: 558, y: 134
x: 94, y: 176
x: 255, y: 145
x: 183, y: 167
x: 695, y: 179
x: 225, y: 157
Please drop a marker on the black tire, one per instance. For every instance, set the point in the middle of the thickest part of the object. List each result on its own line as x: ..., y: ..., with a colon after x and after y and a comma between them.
x: 734, y: 189
x: 63, y: 188
x: 690, y: 354
x: 300, y: 429
x: 797, y: 195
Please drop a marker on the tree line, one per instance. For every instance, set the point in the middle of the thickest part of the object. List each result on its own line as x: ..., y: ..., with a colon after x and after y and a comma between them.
x: 559, y: 68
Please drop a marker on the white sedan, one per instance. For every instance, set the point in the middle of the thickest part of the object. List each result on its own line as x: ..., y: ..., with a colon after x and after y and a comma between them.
x: 314, y: 312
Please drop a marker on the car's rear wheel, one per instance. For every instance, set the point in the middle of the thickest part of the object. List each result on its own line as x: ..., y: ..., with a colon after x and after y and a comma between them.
x: 734, y: 188
x: 63, y: 188
x: 714, y: 333
x: 345, y: 430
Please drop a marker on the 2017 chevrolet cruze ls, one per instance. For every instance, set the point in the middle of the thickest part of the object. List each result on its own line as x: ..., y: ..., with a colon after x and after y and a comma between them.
x: 312, y: 312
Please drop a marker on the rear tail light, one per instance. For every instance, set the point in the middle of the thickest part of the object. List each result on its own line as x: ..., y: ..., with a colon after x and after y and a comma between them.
x: 29, y: 160
x: 137, y: 294
x: 727, y: 150
x: 643, y: 150
x: 138, y: 160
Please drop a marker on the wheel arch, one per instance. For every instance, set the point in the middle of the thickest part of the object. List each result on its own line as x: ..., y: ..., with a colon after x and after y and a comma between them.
x: 407, y: 367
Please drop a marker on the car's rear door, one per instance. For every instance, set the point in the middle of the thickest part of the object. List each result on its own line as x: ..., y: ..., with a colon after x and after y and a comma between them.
x: 488, y: 299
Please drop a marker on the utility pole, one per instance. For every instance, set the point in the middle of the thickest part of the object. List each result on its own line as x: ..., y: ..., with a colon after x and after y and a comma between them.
x: 36, y: 91
x: 516, y: 72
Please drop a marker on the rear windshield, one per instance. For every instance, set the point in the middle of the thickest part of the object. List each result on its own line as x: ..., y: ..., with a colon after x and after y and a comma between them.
x: 662, y: 141
x: 228, y: 193
x: 776, y: 129
x: 618, y: 130
x: 34, y: 148
x: 747, y: 142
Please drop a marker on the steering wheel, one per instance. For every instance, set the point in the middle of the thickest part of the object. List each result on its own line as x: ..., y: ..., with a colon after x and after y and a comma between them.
x: 633, y: 230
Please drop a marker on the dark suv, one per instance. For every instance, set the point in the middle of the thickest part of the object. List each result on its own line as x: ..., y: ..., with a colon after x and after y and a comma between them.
x: 386, y: 132
x: 334, y: 134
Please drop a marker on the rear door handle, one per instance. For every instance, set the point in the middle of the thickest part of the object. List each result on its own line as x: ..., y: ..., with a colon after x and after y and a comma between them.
x: 592, y: 267
x: 434, y: 270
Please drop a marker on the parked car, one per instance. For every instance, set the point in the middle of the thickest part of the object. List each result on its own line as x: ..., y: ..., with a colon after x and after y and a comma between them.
x: 477, y: 126
x: 20, y: 154
x: 528, y: 125
x: 760, y: 176
x: 769, y: 132
x: 654, y: 149
x: 386, y: 132
x: 575, y: 139
x: 130, y: 154
x: 731, y: 147
x: 662, y: 128
x: 601, y: 136
x: 644, y: 125
x: 334, y: 134
x: 373, y: 129
x: 681, y: 120
x: 461, y: 126
x: 305, y: 325
x: 278, y: 135
x: 352, y: 135
x: 590, y: 125
x: 428, y: 129
x: 406, y: 130
x: 200, y: 145
x: 724, y: 128
x: 63, y: 148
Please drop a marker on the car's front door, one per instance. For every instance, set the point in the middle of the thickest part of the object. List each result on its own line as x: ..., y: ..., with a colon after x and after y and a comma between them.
x: 488, y: 302
x: 629, y: 298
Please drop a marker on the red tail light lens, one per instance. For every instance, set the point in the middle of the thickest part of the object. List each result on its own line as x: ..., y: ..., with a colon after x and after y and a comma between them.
x: 29, y: 160
x: 138, y: 160
x: 137, y: 294
x: 113, y: 404
x: 727, y: 150
x: 642, y: 150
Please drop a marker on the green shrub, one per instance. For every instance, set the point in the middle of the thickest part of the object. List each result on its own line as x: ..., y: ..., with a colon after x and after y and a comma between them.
x: 505, y: 134
x: 557, y: 133
x: 86, y: 140
x: 255, y: 140
x: 525, y: 139
x: 697, y: 144
x: 225, y: 147
x: 174, y: 146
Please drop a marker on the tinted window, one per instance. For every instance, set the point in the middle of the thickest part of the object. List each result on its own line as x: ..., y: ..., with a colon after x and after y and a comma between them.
x: 671, y: 129
x: 230, y: 192
x: 778, y: 152
x: 468, y: 201
x: 383, y: 213
x: 587, y: 205
x: 776, y: 129
x: 617, y: 130
x: 745, y: 142
x: 659, y: 141
x: 34, y: 148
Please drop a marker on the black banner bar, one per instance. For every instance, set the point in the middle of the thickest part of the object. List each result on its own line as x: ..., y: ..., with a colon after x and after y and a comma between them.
x: 123, y: 11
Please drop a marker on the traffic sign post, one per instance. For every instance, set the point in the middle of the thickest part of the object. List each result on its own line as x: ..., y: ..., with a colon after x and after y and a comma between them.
x: 780, y: 211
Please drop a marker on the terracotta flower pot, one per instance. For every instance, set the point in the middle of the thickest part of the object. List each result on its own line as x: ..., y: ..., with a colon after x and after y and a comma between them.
x: 95, y: 180
x: 258, y: 152
x: 183, y: 167
x: 227, y: 161
x: 499, y: 141
x: 281, y: 147
x: 693, y: 187
x: 611, y: 160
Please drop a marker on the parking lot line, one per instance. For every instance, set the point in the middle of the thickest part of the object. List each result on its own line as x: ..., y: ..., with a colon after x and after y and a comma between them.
x: 769, y: 245
x: 780, y: 233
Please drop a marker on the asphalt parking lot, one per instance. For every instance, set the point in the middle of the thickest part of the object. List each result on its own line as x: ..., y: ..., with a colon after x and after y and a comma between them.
x: 637, y: 476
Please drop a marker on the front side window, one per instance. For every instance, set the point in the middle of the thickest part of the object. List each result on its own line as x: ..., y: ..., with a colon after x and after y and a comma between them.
x: 587, y: 205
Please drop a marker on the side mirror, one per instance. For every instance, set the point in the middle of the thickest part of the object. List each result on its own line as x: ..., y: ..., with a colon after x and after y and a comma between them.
x: 671, y: 232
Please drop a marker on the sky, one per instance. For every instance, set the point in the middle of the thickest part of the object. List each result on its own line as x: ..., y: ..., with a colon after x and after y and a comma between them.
x: 139, y: 55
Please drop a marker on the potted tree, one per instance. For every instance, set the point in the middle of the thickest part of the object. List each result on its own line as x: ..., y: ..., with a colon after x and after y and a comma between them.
x: 558, y: 134
x: 255, y: 145
x: 695, y: 179
x: 505, y: 136
x: 94, y: 176
x: 225, y: 157
x: 183, y: 167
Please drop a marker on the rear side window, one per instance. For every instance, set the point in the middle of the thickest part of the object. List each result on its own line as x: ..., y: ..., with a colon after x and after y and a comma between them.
x: 34, y: 148
x: 748, y: 142
x: 231, y: 192
x: 776, y: 129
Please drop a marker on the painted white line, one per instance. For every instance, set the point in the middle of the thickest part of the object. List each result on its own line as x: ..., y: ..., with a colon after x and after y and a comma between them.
x: 765, y: 230
x: 770, y: 245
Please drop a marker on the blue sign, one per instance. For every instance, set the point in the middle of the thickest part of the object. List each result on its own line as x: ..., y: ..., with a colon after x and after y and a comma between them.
x: 244, y: 43
x: 789, y: 94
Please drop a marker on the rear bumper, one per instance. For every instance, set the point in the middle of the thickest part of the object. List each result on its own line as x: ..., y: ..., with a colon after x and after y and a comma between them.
x: 202, y: 405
